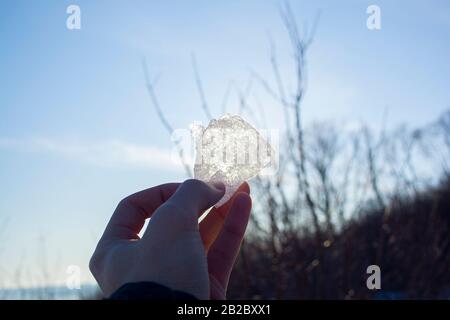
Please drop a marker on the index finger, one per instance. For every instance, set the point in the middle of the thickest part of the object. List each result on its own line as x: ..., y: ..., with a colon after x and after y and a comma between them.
x: 131, y: 213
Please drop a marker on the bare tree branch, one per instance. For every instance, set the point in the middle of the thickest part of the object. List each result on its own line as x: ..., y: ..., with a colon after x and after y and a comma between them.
x: 163, y: 119
x: 199, y: 84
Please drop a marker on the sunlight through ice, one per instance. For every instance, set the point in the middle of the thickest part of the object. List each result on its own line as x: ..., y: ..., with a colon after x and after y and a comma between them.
x: 231, y: 151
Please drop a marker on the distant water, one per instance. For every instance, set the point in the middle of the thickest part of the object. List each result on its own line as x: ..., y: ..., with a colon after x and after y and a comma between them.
x: 52, y: 293
x: 93, y: 292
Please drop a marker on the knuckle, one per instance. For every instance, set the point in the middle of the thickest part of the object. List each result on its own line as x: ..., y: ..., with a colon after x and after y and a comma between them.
x: 125, y: 202
x: 183, y: 219
x: 234, y: 232
x: 94, y: 264
x: 194, y: 183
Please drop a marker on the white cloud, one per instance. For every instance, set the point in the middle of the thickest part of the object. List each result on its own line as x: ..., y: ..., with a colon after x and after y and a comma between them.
x: 101, y: 153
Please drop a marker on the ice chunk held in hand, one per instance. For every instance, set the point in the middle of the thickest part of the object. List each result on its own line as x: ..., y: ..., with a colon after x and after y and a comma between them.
x: 231, y: 151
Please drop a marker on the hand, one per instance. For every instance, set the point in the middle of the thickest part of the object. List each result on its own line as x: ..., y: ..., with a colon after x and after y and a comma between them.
x: 175, y: 251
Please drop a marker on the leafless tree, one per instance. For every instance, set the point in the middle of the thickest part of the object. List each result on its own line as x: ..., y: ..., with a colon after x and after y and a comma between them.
x: 329, y: 210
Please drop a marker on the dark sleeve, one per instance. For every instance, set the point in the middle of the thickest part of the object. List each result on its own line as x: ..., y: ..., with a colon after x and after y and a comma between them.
x: 148, y: 291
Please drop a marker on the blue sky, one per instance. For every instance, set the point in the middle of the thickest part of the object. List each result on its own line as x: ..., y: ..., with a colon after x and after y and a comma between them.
x: 77, y: 131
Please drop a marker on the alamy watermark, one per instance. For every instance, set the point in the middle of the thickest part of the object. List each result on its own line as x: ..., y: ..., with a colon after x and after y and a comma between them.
x: 373, y: 21
x: 227, y: 147
x: 374, y: 280
x: 73, y: 21
x: 73, y: 280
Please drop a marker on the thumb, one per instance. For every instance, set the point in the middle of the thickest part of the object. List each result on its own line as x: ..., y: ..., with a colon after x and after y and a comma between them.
x: 191, y: 198
x: 195, y: 196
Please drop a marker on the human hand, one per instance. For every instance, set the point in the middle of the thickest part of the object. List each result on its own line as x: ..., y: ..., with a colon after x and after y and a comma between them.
x: 175, y: 251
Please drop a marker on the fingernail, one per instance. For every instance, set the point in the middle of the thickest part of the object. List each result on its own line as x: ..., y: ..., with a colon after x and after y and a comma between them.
x: 218, y: 185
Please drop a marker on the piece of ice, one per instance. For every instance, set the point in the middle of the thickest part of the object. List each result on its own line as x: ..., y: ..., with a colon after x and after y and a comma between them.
x: 231, y: 151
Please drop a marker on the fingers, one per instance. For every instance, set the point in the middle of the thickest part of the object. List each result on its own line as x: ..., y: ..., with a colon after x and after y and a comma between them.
x: 224, y: 250
x: 210, y: 226
x: 129, y: 216
x: 181, y: 211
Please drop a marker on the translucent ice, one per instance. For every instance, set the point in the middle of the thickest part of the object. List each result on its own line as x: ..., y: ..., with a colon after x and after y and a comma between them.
x: 231, y: 151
